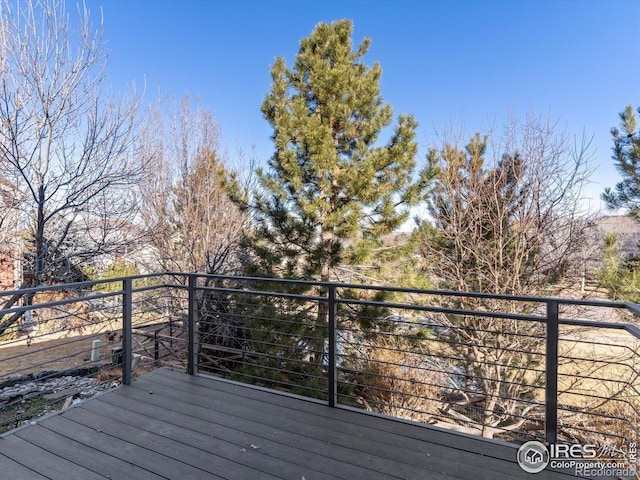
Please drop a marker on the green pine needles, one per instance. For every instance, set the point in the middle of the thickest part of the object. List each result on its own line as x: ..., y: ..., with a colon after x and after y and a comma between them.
x: 331, y: 186
x: 626, y: 153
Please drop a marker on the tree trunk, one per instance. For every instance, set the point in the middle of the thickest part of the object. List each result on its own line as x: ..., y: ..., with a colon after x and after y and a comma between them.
x: 6, y: 324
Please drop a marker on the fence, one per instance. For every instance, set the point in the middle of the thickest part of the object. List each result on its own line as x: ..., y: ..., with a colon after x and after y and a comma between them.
x: 507, y: 367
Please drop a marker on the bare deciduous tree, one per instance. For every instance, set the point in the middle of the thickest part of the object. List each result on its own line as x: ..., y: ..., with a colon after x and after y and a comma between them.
x: 512, y: 224
x: 10, y: 200
x: 188, y: 216
x: 70, y: 145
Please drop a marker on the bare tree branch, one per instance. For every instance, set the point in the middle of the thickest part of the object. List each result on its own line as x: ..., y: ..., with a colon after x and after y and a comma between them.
x: 507, y: 219
x: 67, y: 142
x: 188, y: 216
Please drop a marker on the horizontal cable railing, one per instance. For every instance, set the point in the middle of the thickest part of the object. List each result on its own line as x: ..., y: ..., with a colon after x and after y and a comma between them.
x: 512, y: 368
x: 66, y: 342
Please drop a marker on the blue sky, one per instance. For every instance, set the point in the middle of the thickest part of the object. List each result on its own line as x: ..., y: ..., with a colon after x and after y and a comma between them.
x: 462, y: 62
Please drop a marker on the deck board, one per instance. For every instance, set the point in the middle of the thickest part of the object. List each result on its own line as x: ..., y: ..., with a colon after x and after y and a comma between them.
x: 15, y: 471
x: 147, y: 459
x: 43, y: 461
x: 168, y: 424
x: 83, y: 455
x: 371, y: 450
x: 302, y: 431
x: 271, y: 442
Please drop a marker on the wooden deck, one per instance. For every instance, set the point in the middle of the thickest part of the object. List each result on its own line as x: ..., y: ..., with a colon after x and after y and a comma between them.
x: 168, y: 424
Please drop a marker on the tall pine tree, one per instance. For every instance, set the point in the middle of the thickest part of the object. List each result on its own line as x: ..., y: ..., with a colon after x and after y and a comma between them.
x: 626, y: 153
x: 331, y: 189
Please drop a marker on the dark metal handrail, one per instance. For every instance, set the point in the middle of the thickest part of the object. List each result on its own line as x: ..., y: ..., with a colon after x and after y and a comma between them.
x: 551, y: 319
x: 328, y: 295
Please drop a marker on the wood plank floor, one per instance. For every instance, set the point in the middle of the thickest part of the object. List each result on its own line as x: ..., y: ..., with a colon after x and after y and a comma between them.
x: 170, y: 425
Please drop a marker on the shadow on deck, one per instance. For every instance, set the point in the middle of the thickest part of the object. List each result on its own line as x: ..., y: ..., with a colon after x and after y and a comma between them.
x: 168, y: 424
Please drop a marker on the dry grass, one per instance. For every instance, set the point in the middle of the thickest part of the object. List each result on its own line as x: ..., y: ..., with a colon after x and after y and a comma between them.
x: 599, y: 385
x: 65, y: 348
x: 599, y: 381
x: 49, y: 354
x: 394, y: 382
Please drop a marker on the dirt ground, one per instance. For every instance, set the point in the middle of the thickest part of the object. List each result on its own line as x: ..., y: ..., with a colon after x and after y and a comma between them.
x: 54, y: 354
x: 69, y: 351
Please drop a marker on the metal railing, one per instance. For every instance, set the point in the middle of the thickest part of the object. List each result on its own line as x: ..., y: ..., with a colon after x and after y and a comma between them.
x: 70, y: 341
x: 513, y: 368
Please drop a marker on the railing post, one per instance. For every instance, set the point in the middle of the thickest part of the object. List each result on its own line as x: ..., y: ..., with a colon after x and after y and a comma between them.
x: 156, y: 346
x: 551, y: 381
x: 192, y: 320
x: 127, y: 312
x: 332, y: 393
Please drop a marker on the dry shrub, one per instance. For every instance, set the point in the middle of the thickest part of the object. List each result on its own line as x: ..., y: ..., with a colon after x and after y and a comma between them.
x: 612, y: 422
x: 109, y: 374
x: 600, y: 383
x: 68, y: 317
x: 392, y: 380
